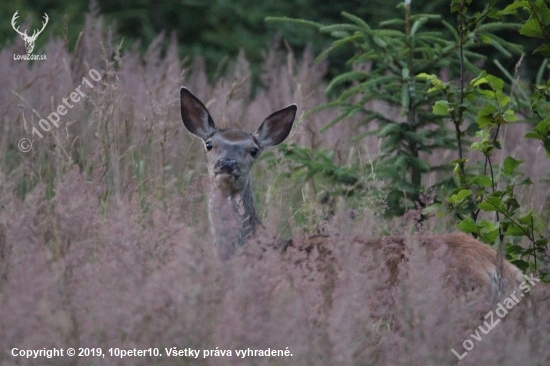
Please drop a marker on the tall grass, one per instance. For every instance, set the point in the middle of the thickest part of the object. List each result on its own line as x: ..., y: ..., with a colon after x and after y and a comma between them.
x: 104, y: 238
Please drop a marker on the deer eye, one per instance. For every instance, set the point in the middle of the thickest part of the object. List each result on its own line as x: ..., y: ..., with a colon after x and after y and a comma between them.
x: 254, y: 152
x: 208, y: 145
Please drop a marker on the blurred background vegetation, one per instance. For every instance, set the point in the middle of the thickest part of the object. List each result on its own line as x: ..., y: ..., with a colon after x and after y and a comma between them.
x: 103, y: 223
x: 392, y: 127
x: 216, y: 29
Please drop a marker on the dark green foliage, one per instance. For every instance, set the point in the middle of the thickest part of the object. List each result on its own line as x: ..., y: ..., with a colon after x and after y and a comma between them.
x: 397, y: 51
x: 406, y: 59
x: 215, y: 30
x: 319, y: 164
x: 327, y: 181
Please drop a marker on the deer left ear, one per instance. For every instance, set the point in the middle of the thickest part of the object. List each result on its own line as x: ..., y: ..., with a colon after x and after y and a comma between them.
x: 195, y: 116
x: 276, y: 128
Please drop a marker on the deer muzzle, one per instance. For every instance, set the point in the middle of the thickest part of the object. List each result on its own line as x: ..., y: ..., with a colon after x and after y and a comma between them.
x: 227, y: 166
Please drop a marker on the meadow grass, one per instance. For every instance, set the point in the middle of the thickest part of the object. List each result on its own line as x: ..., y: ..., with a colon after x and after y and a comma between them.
x: 105, y: 242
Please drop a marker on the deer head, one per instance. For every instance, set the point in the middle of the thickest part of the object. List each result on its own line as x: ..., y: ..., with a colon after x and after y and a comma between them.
x: 232, y: 152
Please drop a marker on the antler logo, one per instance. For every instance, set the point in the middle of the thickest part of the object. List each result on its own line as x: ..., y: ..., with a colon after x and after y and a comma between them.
x: 29, y: 40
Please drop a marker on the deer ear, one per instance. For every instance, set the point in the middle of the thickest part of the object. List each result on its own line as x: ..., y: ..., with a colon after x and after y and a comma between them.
x: 276, y: 127
x: 195, y: 116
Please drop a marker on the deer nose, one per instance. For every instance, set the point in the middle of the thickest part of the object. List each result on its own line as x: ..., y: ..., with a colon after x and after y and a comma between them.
x: 227, y: 166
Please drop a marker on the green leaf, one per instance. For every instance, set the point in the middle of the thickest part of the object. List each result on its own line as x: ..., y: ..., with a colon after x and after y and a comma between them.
x: 513, y: 8
x: 481, y: 180
x: 496, y: 83
x: 423, y: 75
x: 478, y: 81
x: 503, y: 99
x: 527, y: 219
x: 485, y: 38
x: 441, y: 108
x: 468, y: 226
x: 490, y: 236
x: 514, y: 230
x: 432, y: 210
x: 487, y: 110
x: 526, y: 182
x: 531, y: 28
x: 459, y: 161
x: 460, y: 196
x: 487, y: 93
x: 543, y: 50
x: 514, y: 249
x: 510, y: 165
x: 521, y: 264
x: 509, y: 115
x: 543, y: 127
x: 532, y: 135
x: 492, y: 203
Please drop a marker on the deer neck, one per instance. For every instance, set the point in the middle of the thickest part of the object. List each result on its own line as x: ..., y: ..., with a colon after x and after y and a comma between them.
x: 233, y: 218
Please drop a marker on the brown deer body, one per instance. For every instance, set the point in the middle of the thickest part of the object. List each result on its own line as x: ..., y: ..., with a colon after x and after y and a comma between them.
x: 231, y: 154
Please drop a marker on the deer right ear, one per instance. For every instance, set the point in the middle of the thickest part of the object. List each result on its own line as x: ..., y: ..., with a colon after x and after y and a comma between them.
x: 195, y: 116
x: 276, y: 127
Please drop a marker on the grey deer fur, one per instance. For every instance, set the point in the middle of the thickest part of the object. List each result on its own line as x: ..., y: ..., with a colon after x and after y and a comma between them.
x: 231, y: 154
